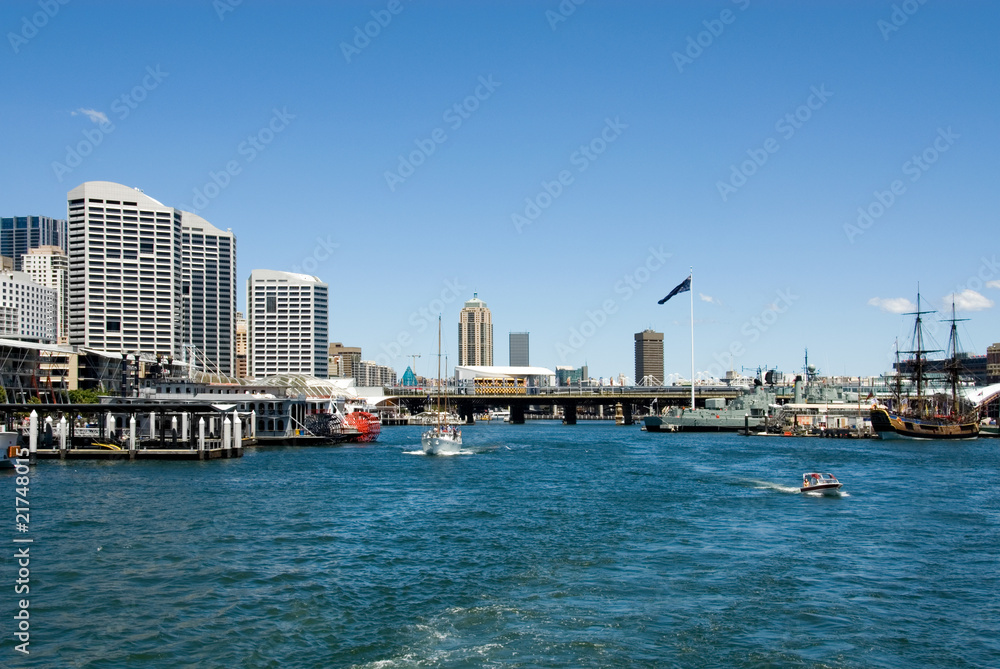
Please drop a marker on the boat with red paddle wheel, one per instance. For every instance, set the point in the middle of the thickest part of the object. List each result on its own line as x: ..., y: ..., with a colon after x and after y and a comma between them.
x: 361, y: 426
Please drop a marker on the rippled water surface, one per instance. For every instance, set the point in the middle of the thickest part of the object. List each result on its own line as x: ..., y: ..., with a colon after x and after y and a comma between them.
x: 542, y: 546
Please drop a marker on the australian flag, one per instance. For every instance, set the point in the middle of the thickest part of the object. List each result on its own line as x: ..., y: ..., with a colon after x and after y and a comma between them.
x: 685, y: 285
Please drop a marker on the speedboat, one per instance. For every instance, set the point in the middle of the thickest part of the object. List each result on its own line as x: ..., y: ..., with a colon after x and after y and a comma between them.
x: 826, y: 484
x: 442, y: 440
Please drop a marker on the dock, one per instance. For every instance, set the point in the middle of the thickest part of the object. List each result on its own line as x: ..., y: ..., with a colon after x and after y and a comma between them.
x: 135, y: 431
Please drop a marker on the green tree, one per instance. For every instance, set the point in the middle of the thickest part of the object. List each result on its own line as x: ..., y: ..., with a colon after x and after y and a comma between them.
x: 83, y: 396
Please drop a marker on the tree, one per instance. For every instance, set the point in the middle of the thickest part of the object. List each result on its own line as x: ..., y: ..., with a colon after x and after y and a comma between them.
x: 84, y: 396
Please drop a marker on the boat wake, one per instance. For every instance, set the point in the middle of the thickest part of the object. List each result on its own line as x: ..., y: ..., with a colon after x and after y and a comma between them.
x: 767, y: 485
x: 464, y: 451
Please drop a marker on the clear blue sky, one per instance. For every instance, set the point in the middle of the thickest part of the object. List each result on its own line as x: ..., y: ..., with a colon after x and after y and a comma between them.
x: 778, y: 266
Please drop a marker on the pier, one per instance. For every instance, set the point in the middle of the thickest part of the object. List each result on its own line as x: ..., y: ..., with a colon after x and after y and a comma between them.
x: 134, y: 431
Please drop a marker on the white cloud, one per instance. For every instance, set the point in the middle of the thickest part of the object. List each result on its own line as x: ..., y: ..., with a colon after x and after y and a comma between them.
x: 894, y: 305
x: 969, y: 300
x: 709, y: 298
x: 993, y: 284
x: 92, y: 114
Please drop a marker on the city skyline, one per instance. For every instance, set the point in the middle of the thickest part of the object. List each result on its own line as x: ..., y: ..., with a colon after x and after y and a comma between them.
x: 785, y: 153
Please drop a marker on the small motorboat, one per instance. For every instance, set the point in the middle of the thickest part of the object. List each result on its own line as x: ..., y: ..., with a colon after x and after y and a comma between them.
x: 822, y: 483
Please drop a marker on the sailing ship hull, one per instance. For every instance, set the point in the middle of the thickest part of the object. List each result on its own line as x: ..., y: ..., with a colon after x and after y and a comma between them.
x: 891, y: 426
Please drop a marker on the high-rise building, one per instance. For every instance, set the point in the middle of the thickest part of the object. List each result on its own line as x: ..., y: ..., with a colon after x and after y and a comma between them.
x: 49, y: 266
x: 20, y: 234
x: 519, y: 349
x: 475, y: 334
x: 124, y: 270
x: 649, y: 358
x: 370, y: 374
x: 208, y: 293
x: 344, y: 361
x: 27, y: 309
x: 287, y: 324
x: 241, y: 346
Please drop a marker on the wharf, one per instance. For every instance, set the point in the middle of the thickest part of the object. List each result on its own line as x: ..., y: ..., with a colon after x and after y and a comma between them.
x: 213, y: 451
x: 138, y: 431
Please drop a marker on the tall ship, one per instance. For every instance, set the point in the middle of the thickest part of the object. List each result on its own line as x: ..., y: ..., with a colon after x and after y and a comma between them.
x: 923, y: 411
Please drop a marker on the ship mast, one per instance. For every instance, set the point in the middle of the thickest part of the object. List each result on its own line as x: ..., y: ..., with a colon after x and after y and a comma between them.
x: 954, y: 367
x: 919, y: 363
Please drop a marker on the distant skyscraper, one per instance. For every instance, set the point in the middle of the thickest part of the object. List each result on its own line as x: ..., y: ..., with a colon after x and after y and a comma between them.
x: 344, y: 360
x: 475, y: 334
x: 519, y: 349
x: 208, y: 293
x: 124, y: 270
x: 649, y: 358
x: 287, y: 324
x: 27, y: 309
x: 49, y: 266
x: 20, y: 234
x: 241, y: 345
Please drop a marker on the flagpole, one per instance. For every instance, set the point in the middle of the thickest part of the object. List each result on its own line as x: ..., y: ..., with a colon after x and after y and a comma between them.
x: 692, y: 337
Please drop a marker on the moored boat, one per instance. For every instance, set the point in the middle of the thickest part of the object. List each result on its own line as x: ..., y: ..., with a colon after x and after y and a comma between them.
x: 923, y: 413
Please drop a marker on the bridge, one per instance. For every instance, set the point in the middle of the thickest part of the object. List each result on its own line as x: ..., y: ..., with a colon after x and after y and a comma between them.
x: 571, y: 399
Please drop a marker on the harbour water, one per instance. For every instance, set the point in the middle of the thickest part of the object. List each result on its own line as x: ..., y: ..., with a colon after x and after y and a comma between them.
x: 543, y: 545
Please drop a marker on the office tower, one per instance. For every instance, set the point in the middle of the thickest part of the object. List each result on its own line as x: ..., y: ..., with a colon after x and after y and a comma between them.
x: 27, y: 309
x: 20, y: 234
x: 519, y: 349
x: 287, y: 324
x: 208, y: 295
x: 475, y: 334
x: 124, y: 270
x: 49, y: 266
x: 649, y: 358
x: 344, y: 361
x: 241, y: 346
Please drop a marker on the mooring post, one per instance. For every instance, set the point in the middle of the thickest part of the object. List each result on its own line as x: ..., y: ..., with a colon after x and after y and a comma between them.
x: 201, y: 438
x: 63, y: 428
x: 227, y: 432
x: 33, y: 435
x: 237, y: 433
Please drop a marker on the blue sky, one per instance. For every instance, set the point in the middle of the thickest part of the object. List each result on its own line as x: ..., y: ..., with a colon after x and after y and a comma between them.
x: 813, y: 161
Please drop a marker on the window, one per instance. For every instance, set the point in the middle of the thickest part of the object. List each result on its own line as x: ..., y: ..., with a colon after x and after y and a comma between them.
x: 113, y: 325
x: 272, y: 304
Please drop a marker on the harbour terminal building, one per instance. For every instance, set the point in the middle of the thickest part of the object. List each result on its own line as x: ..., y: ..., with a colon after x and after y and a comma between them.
x: 503, y: 380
